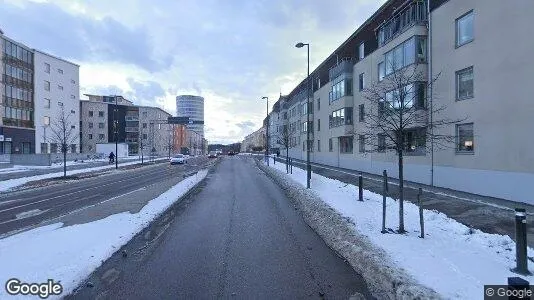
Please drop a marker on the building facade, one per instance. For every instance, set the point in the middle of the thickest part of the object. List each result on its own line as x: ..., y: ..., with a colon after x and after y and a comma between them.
x: 106, y: 119
x: 192, y: 107
x: 255, y: 140
x: 57, y: 91
x: 458, y: 47
x: 17, y: 128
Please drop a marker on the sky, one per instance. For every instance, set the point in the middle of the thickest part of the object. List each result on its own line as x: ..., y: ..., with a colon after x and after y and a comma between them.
x: 231, y: 52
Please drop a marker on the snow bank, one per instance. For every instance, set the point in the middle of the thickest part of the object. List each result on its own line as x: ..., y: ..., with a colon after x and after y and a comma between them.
x: 12, y: 183
x: 70, y: 254
x: 452, y: 259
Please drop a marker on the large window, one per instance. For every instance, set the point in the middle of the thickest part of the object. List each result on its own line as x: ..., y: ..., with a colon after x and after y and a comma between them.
x: 361, y: 140
x: 47, y: 68
x: 464, y: 84
x: 47, y: 85
x: 361, y: 81
x: 46, y: 120
x: 410, y: 95
x: 415, y: 141
x: 341, y: 86
x: 404, y: 55
x: 318, y: 104
x: 465, y: 138
x: 341, y: 117
x: 381, y: 142
x: 345, y: 144
x: 381, y: 71
x: 361, y: 51
x: 464, y: 29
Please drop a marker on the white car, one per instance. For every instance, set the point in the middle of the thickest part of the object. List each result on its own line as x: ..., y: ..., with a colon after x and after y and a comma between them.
x: 177, y: 159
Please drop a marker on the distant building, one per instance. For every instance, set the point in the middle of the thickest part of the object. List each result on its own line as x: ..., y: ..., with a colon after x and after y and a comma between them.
x: 192, y: 107
x: 254, y: 140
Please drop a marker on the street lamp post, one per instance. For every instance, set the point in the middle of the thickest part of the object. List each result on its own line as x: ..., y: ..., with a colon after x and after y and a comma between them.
x: 308, y: 166
x: 115, y: 125
x: 267, y: 131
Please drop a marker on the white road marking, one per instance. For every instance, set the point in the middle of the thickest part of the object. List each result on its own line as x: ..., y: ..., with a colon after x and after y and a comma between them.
x: 29, y: 213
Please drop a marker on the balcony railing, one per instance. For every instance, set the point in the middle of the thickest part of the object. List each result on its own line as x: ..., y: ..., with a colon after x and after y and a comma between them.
x: 132, y: 129
x: 132, y: 118
x: 344, y: 66
x: 414, y: 13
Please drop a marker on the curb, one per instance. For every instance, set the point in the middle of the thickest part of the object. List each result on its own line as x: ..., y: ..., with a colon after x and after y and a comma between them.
x: 385, y: 280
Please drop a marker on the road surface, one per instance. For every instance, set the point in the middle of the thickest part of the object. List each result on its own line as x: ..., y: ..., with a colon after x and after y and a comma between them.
x: 238, y: 237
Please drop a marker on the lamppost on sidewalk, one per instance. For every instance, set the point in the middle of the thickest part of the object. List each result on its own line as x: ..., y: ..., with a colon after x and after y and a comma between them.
x: 115, y: 125
x: 267, y: 131
x: 308, y: 127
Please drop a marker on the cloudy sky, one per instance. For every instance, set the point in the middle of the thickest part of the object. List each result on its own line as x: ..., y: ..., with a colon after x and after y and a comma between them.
x: 231, y: 52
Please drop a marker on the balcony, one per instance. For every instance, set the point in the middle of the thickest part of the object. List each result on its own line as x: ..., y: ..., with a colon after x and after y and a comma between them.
x: 132, y: 129
x: 132, y: 140
x: 344, y: 66
x: 414, y: 13
x: 132, y: 118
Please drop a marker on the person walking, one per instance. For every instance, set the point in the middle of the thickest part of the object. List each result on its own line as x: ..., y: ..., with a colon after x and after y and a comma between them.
x: 111, y: 157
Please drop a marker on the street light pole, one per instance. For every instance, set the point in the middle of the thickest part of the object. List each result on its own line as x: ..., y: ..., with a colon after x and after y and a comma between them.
x: 116, y: 133
x: 267, y: 132
x: 308, y: 165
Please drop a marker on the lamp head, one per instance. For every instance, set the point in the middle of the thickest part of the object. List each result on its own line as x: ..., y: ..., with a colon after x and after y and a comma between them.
x: 299, y: 45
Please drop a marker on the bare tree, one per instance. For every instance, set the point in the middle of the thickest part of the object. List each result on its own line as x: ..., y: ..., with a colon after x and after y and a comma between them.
x: 398, y: 115
x: 284, y: 138
x: 63, y: 133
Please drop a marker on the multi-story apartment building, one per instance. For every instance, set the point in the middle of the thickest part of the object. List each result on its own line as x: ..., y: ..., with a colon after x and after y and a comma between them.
x: 17, y: 130
x: 254, y: 140
x: 106, y: 119
x: 57, y: 91
x: 458, y: 42
x: 192, y: 107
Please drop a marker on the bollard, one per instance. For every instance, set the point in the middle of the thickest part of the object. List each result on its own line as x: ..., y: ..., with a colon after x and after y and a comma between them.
x: 521, y: 242
x: 274, y: 161
x: 421, y: 219
x: 291, y: 165
x: 360, y: 187
x: 384, y: 194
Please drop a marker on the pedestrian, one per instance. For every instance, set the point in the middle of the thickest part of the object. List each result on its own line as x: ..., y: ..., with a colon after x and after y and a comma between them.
x: 277, y: 153
x: 111, y: 157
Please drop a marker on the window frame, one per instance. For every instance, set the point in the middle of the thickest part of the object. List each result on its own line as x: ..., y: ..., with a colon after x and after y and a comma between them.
x: 457, y: 83
x: 361, y: 81
x: 456, y: 29
x: 457, y: 133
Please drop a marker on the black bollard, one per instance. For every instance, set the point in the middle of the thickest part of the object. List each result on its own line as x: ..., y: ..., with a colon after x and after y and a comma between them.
x: 384, y: 195
x: 421, y: 219
x: 521, y: 242
x: 360, y: 187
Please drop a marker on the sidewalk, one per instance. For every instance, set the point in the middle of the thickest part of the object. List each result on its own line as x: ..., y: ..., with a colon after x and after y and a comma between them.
x: 490, y: 215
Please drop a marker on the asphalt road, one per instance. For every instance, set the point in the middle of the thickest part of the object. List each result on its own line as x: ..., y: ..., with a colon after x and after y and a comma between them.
x: 238, y: 237
x: 23, y: 209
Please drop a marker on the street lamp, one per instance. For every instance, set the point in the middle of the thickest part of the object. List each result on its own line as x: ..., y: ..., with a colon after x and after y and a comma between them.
x: 267, y: 131
x: 308, y: 166
x: 115, y: 125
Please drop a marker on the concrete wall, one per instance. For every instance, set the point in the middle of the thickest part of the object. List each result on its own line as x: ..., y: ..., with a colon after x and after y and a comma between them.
x: 64, y: 92
x: 88, y: 144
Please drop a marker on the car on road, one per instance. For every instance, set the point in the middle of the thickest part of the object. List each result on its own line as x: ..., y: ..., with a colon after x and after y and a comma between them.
x: 212, y: 154
x: 178, y: 159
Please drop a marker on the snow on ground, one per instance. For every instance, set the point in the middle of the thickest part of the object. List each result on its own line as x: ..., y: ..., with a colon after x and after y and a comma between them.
x: 20, y: 168
x: 452, y: 259
x: 11, y: 183
x: 70, y: 254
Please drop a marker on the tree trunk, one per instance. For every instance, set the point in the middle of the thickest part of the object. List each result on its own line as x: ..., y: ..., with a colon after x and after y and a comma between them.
x: 64, y: 162
x: 401, y: 193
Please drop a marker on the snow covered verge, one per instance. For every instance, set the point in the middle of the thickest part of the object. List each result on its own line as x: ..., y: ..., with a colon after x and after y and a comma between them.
x: 453, y: 260
x: 9, y: 184
x: 70, y: 254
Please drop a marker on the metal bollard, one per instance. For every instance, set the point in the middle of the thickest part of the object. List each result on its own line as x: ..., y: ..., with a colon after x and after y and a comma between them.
x: 274, y: 161
x: 360, y: 187
x: 421, y: 219
x: 521, y: 242
x: 384, y: 194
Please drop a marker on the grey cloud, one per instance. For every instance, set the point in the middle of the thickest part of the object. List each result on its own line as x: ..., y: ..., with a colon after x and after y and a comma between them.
x: 144, y: 92
x: 47, y: 27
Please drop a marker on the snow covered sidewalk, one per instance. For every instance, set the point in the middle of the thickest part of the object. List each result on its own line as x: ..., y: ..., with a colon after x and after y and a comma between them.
x: 453, y: 260
x: 12, y: 183
x: 70, y: 254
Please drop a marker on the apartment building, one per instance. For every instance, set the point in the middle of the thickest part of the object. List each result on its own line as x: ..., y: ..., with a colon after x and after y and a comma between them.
x: 57, y: 92
x: 484, y: 87
x: 254, y: 140
x: 17, y: 129
x: 106, y: 119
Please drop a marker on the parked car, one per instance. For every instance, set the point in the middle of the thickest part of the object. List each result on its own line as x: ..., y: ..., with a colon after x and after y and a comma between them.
x: 178, y: 159
x: 231, y: 153
x: 212, y: 154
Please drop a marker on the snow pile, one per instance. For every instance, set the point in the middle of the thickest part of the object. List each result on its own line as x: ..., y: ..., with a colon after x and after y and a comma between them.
x: 71, y: 253
x: 11, y: 183
x: 452, y: 259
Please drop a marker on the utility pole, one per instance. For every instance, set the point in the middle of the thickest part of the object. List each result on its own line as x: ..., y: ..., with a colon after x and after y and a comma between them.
x: 115, y: 127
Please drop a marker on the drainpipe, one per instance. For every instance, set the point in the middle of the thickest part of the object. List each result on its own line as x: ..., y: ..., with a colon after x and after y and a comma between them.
x: 430, y: 88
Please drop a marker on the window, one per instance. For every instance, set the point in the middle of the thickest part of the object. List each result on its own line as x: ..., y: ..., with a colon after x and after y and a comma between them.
x: 53, y: 148
x: 144, y: 136
x: 464, y: 29
x: 59, y: 103
x: 100, y: 125
x: 415, y: 141
x: 90, y: 124
x: 381, y: 142
x: 361, y: 140
x: 46, y: 120
x: 404, y: 55
x: 330, y: 145
x: 72, y: 111
x: 345, y: 144
x: 465, y: 138
x: 60, y: 71
x: 362, y: 81
x: 464, y: 84
x: 318, y: 124
x: 47, y: 103
x: 341, y: 117
x: 318, y: 104
x: 47, y: 85
x: 44, y: 148
x: 73, y: 126
x: 159, y: 126
x: 361, y: 113
x: 303, y: 146
x: 144, y: 125
x: 72, y: 97
x: 361, y: 51
x: 90, y: 148
x: 47, y: 68
x: 341, y: 86
x: 73, y: 148
x: 90, y: 113
x: 90, y: 136
x: 72, y: 81
x: 408, y: 96
x: 100, y: 113
x: 60, y: 87
x: 144, y: 114
x: 101, y: 136
x: 318, y: 145
x: 381, y: 71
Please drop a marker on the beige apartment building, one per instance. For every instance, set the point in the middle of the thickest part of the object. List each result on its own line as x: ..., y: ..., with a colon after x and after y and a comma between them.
x: 480, y: 84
